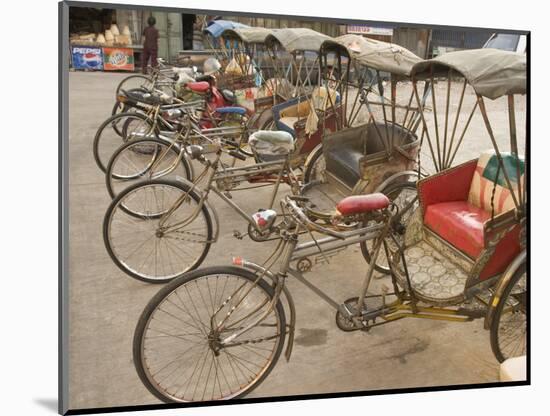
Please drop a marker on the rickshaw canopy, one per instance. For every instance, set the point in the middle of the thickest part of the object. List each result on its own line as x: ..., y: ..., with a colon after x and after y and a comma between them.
x: 215, y: 28
x: 492, y: 73
x: 382, y: 56
x: 297, y: 39
x: 248, y: 35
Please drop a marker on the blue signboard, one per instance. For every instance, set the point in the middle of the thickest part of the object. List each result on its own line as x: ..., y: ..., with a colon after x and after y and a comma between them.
x: 85, y: 57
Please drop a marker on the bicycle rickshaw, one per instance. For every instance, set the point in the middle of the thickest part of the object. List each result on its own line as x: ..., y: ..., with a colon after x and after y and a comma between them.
x: 232, y: 319
x: 294, y: 55
x: 374, y: 145
x: 373, y: 142
x: 252, y: 76
x: 212, y: 35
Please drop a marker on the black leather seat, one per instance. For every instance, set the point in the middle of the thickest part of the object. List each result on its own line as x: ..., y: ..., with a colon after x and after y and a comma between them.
x: 141, y: 96
x: 344, y: 164
x: 207, y: 78
x: 344, y: 149
x: 229, y: 96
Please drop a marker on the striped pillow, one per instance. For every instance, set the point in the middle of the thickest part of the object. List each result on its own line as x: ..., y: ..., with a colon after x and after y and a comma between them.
x: 485, y: 177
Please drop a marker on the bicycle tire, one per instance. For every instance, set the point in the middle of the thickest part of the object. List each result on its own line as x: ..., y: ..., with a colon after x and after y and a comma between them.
x: 121, y: 83
x: 108, y: 218
x: 112, y: 121
x: 109, y: 176
x: 391, y: 189
x: 157, y: 300
x: 495, y: 345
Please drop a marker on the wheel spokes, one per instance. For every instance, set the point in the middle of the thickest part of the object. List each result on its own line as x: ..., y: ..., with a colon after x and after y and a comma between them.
x: 180, y: 351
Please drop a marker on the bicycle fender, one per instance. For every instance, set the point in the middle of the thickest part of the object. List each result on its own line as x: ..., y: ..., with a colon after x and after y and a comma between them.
x: 216, y: 220
x: 288, y: 299
x: 501, y: 285
x: 292, y: 325
x: 394, y: 177
x: 311, y: 154
x: 209, y: 207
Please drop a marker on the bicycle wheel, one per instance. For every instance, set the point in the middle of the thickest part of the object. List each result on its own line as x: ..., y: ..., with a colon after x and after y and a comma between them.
x: 157, y: 230
x: 509, y: 326
x: 176, y: 347
x: 133, y: 82
x: 315, y: 170
x: 134, y: 161
x: 269, y: 123
x: 242, y: 140
x: 402, y: 195
x: 120, y: 108
x: 107, y: 140
x: 166, y: 87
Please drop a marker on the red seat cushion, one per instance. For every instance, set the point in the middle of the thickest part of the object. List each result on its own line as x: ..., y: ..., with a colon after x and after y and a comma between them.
x: 358, y: 204
x: 201, y: 86
x: 459, y: 223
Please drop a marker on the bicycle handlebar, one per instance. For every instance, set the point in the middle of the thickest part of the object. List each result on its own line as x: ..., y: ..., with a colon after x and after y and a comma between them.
x: 298, y: 214
x: 237, y: 155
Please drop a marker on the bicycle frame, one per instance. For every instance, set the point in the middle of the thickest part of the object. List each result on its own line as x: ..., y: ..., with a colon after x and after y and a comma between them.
x: 214, y: 175
x: 292, y: 251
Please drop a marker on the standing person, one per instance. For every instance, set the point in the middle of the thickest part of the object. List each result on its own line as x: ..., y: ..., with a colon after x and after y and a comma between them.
x: 150, y: 44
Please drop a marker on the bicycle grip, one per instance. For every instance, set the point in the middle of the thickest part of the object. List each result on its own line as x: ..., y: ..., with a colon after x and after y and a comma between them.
x: 232, y: 143
x: 237, y: 155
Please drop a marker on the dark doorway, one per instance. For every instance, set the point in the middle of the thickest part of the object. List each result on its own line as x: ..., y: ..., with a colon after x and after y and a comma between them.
x: 187, y: 24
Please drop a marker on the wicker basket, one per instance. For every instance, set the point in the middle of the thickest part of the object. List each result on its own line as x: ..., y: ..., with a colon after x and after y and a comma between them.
x: 235, y: 82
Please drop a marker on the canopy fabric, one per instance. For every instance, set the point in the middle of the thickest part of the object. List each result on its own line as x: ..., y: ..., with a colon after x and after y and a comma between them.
x: 297, y: 39
x: 491, y: 72
x: 248, y: 34
x: 216, y: 27
x: 382, y: 56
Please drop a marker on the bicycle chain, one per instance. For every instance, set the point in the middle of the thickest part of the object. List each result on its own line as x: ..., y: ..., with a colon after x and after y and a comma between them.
x: 192, y: 241
x: 254, y: 341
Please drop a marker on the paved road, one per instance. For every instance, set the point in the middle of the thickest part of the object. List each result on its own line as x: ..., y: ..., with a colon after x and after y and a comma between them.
x: 105, y: 303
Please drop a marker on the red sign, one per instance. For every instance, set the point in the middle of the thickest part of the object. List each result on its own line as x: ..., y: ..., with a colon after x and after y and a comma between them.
x: 118, y: 59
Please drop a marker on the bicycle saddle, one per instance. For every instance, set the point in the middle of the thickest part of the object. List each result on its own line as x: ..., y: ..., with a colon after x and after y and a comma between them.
x: 143, y: 96
x: 207, y: 78
x: 198, y: 86
x: 271, y: 145
x: 228, y: 95
x: 231, y: 110
x: 360, y: 204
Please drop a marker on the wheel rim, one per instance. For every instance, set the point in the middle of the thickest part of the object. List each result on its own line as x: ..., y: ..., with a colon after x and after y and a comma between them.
x: 135, y: 163
x: 135, y: 82
x: 179, y: 353
x: 317, y: 172
x: 400, y: 197
x: 137, y: 128
x: 270, y: 125
x: 512, y: 325
x: 116, y: 132
x: 146, y: 249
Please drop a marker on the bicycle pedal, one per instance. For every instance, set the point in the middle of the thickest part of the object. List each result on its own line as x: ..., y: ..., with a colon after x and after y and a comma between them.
x: 346, y: 311
x: 238, y: 235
